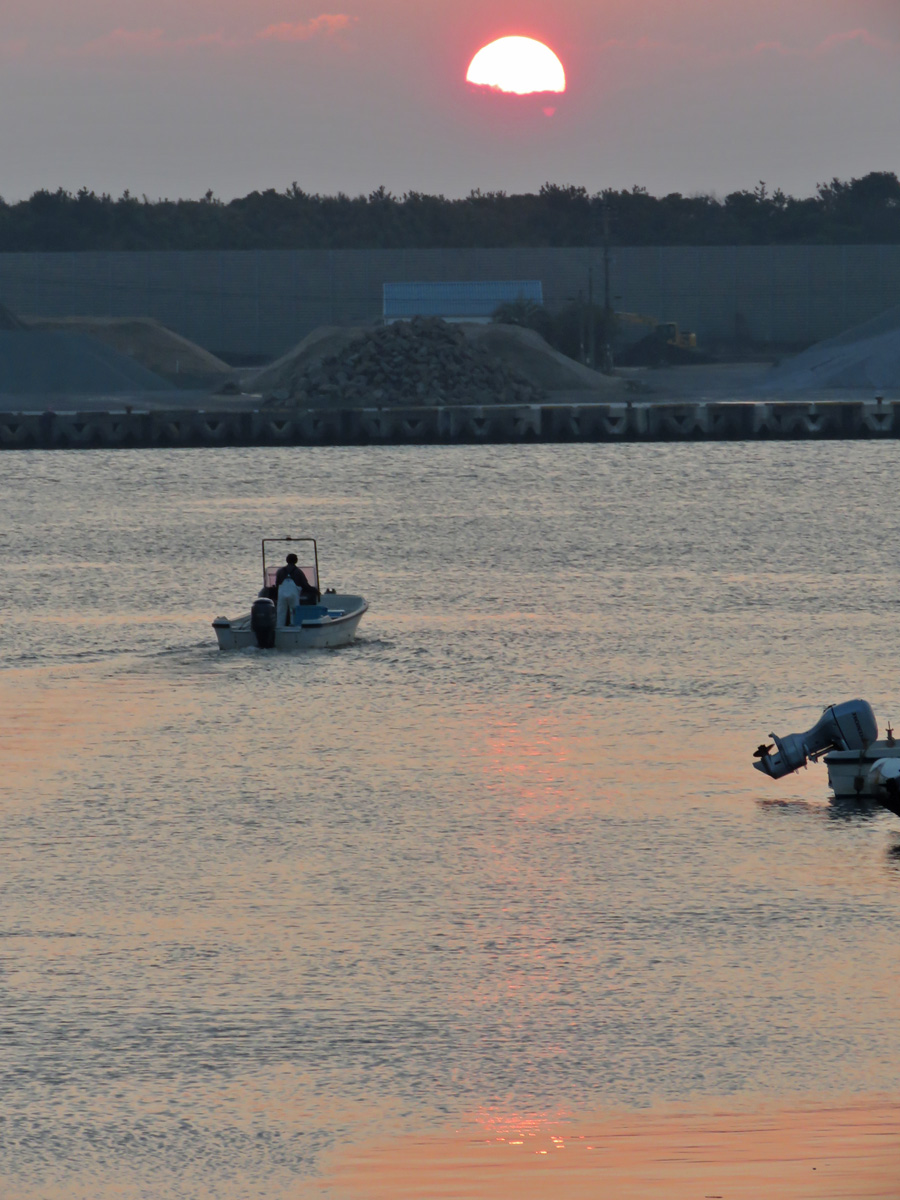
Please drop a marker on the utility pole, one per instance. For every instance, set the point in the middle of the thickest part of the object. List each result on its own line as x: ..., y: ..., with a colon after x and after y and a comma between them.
x: 606, y: 258
x: 592, y: 324
x: 608, y: 315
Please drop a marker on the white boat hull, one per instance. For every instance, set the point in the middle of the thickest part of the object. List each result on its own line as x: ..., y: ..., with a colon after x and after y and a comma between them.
x: 859, y: 773
x: 327, y: 632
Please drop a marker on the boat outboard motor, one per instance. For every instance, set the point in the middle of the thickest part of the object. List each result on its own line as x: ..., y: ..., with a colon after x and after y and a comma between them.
x: 847, y: 726
x: 262, y: 622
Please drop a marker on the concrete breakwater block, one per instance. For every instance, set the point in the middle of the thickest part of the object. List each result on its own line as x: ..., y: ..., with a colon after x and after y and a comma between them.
x: 460, y: 424
x: 404, y: 425
x: 877, y: 418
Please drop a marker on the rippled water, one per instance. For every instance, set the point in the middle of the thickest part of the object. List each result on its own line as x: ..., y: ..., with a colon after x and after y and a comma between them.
x: 504, y: 855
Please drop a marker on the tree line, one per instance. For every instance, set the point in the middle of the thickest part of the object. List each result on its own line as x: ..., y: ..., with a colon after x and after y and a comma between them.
x: 865, y: 210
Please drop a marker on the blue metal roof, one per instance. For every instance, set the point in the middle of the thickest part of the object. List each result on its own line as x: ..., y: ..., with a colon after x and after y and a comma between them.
x: 461, y: 299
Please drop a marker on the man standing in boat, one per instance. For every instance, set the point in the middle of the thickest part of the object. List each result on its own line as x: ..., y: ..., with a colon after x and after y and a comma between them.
x: 286, y: 598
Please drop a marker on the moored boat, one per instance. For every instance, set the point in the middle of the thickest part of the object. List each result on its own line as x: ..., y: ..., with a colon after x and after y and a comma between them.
x: 319, y: 621
x: 871, y: 773
x: 860, y: 764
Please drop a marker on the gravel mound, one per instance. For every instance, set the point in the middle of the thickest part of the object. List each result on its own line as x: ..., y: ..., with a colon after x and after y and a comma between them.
x: 147, y: 342
x: 322, y: 343
x: 522, y: 351
x: 425, y: 361
x: 864, y: 358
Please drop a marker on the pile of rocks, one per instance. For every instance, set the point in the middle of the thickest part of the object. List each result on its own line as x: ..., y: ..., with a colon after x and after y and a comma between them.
x: 418, y: 362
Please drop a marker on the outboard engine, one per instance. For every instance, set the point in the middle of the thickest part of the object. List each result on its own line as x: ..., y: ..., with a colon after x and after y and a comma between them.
x: 847, y: 726
x: 262, y: 622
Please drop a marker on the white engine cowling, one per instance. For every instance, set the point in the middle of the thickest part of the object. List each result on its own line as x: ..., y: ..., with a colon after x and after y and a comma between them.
x: 847, y: 726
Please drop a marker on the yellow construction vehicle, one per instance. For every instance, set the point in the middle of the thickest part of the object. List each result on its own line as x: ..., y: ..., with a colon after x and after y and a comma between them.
x: 665, y: 331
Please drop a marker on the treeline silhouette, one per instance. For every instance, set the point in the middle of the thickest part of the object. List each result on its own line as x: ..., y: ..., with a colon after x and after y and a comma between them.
x: 863, y: 210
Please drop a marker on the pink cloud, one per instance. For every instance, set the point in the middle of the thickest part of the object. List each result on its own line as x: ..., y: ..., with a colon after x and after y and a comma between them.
x: 325, y: 25
x: 144, y: 42
x: 835, y: 41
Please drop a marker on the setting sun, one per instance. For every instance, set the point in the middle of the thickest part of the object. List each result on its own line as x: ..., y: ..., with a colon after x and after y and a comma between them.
x: 520, y: 65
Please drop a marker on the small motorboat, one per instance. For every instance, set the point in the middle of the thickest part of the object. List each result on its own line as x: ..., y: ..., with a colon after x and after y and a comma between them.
x: 323, y: 625
x: 860, y: 764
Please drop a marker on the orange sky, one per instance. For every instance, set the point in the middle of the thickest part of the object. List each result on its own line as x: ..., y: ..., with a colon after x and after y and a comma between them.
x: 171, y: 97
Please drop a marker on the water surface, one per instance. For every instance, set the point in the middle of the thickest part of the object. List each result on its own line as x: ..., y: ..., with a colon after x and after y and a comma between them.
x: 502, y: 860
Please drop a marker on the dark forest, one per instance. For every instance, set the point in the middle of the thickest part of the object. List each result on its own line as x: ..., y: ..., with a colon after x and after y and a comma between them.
x: 865, y: 210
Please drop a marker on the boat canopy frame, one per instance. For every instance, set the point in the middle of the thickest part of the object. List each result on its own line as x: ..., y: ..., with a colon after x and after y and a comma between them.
x: 293, y: 540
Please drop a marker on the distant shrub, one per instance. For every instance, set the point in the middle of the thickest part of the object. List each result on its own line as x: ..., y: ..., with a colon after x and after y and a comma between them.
x: 526, y: 313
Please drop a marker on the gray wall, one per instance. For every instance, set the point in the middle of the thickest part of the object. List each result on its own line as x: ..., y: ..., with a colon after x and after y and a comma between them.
x: 262, y: 302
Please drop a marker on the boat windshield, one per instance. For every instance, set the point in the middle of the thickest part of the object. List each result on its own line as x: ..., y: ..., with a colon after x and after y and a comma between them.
x: 308, y: 569
x: 306, y: 561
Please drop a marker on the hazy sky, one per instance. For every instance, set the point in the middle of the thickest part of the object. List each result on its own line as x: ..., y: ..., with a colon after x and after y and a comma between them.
x: 171, y: 97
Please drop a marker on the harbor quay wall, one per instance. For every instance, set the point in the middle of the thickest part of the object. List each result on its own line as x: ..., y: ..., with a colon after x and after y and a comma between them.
x: 462, y: 425
x: 259, y: 303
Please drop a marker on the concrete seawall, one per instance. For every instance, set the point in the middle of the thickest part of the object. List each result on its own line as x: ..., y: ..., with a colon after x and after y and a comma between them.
x: 261, y: 302
x: 640, y: 422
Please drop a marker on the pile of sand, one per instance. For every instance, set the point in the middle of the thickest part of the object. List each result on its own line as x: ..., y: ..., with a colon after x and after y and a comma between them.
x: 148, y: 343
x: 865, y: 358
x: 9, y: 320
x: 45, y: 362
x: 528, y: 353
x: 527, y: 358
